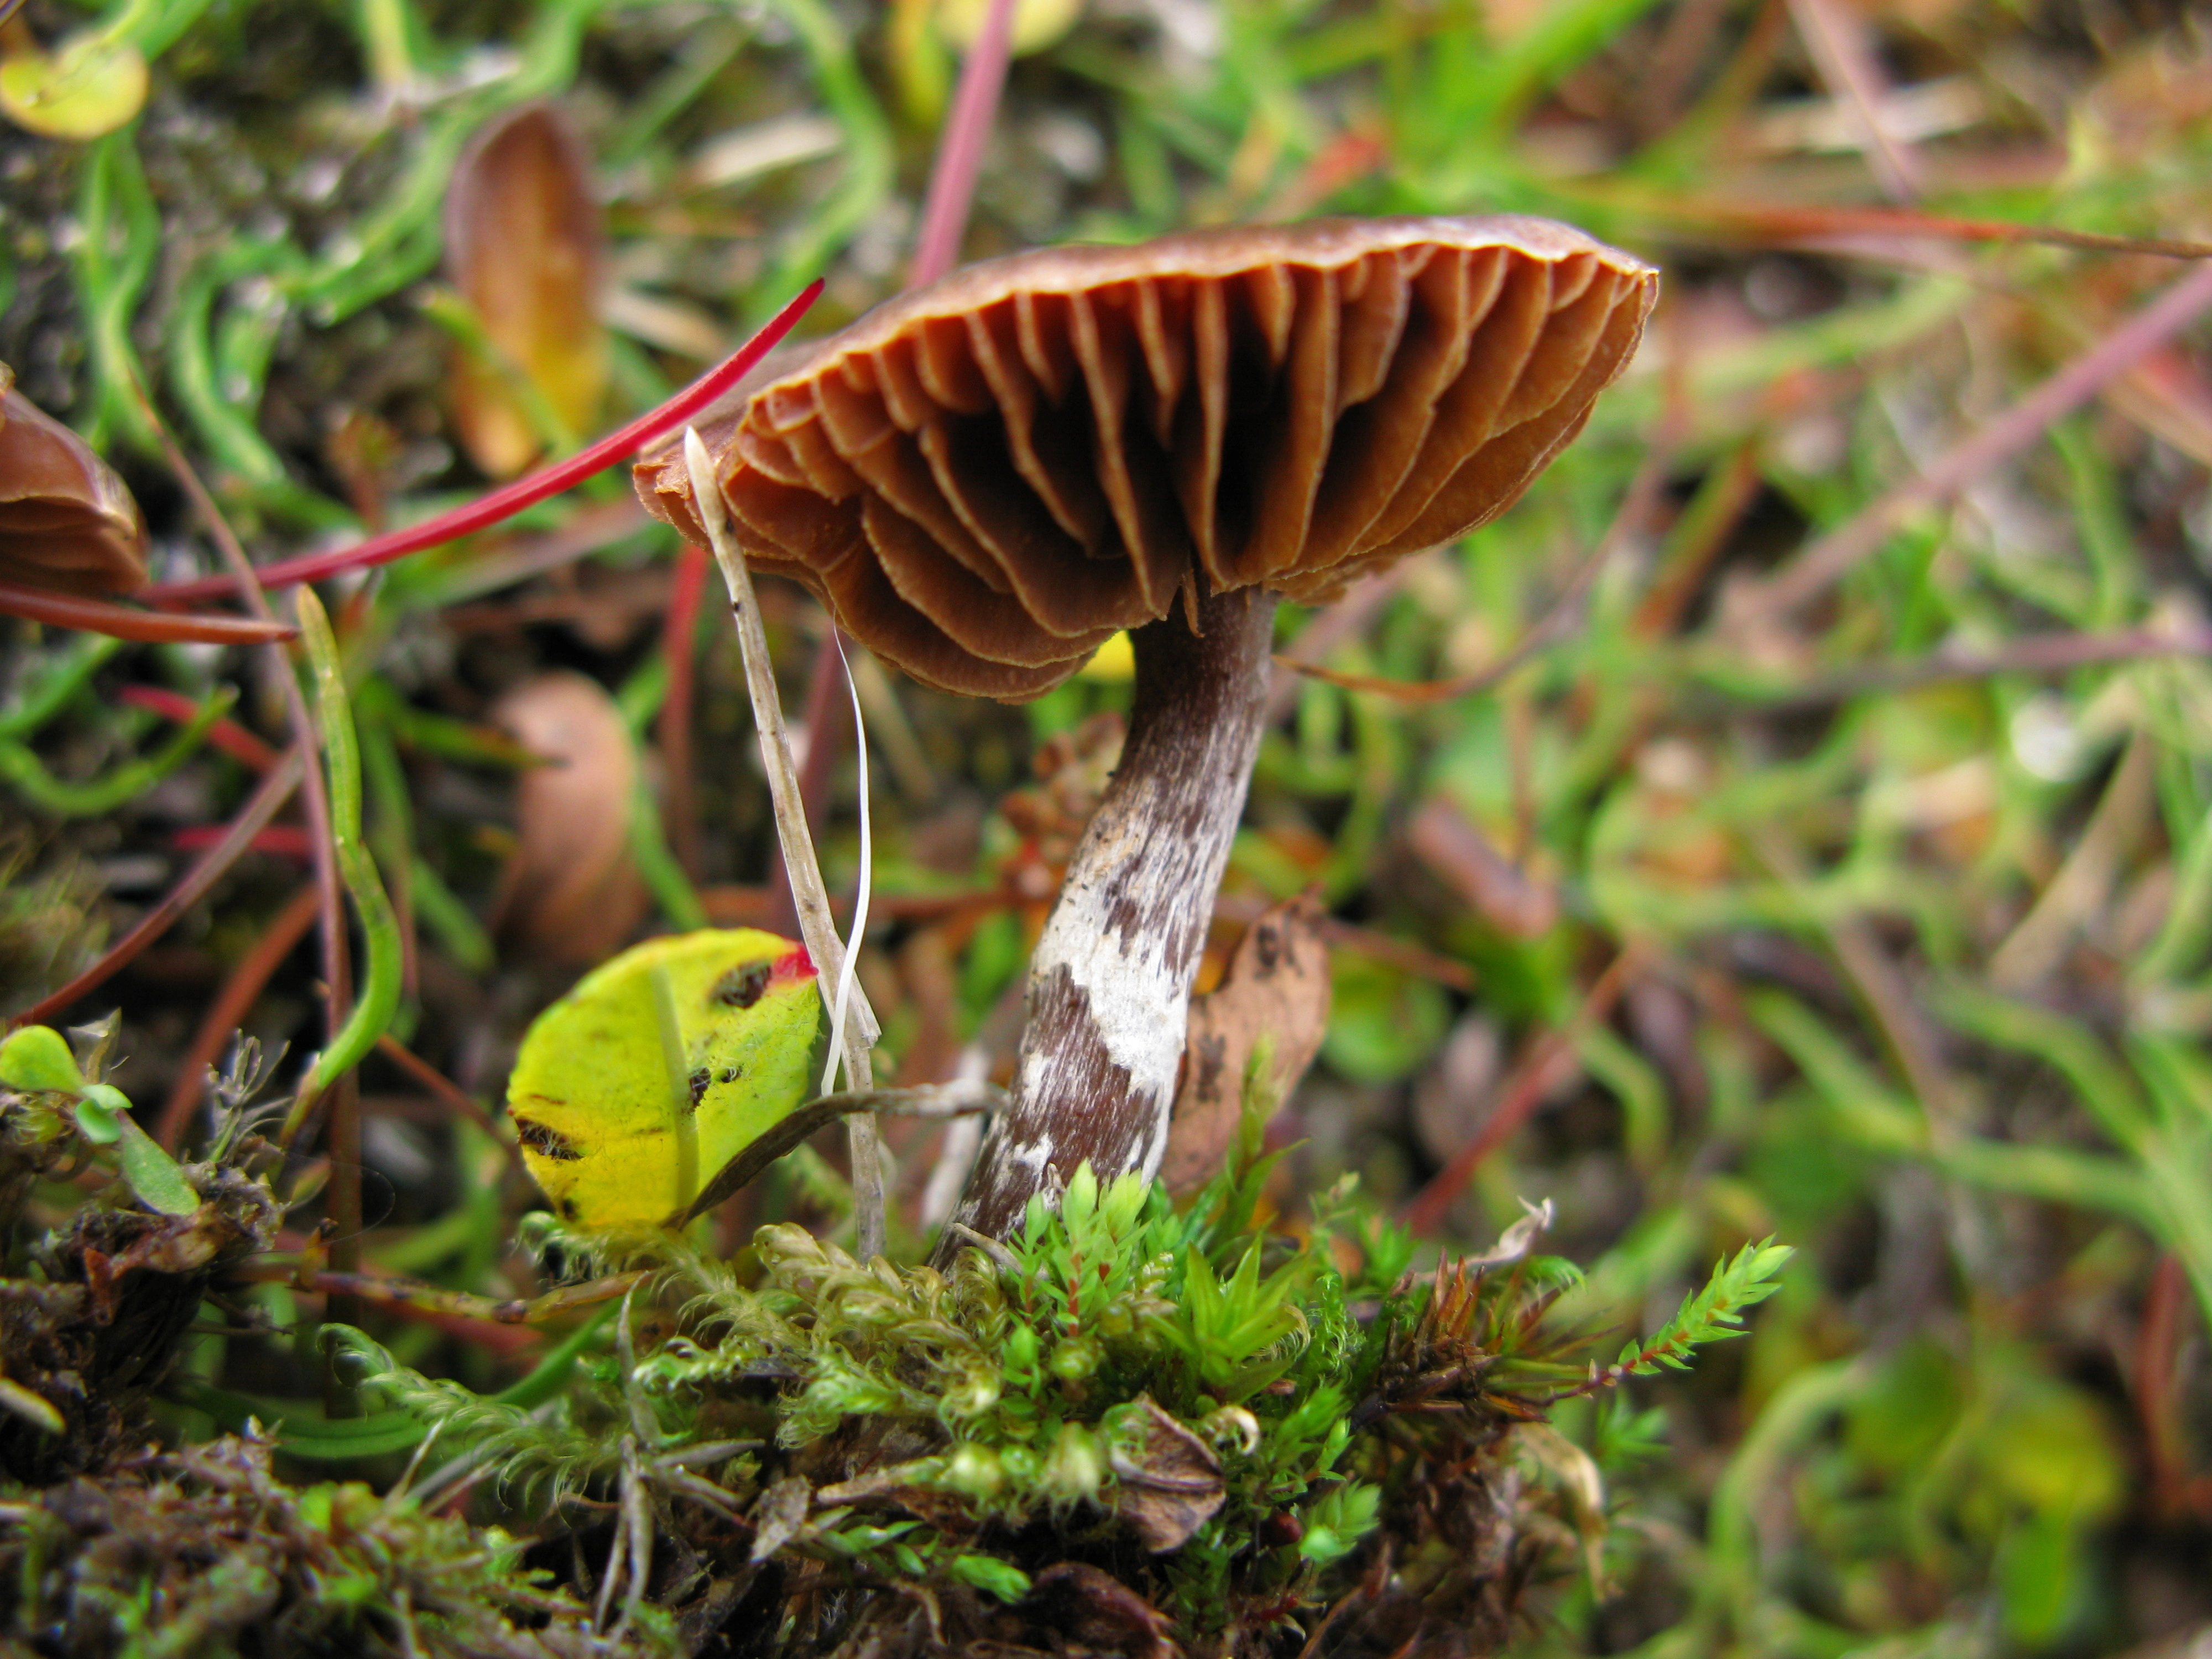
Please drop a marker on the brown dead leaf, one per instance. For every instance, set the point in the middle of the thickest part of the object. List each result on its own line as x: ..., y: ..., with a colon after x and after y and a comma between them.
x: 571, y: 894
x: 67, y: 521
x: 1098, y: 1611
x: 522, y: 248
x: 1276, y: 989
x: 1170, y: 1481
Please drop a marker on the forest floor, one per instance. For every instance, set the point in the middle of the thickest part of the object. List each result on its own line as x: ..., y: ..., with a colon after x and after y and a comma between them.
x: 1794, y: 819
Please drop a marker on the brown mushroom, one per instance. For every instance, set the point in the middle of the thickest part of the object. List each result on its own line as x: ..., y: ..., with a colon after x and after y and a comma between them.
x: 67, y: 521
x: 984, y: 479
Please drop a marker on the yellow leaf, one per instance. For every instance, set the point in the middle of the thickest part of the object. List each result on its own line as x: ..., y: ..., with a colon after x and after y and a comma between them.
x: 634, y: 1090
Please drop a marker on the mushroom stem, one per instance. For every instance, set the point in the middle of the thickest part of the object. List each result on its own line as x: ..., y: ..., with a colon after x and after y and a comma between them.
x: 1110, y: 983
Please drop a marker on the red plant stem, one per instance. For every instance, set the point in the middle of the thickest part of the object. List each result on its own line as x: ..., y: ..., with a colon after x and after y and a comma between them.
x: 226, y: 734
x: 231, y: 1006
x: 341, y: 1138
x: 1523, y: 1092
x: 1777, y: 222
x: 960, y: 152
x: 281, y: 841
x: 442, y: 1087
x: 680, y: 642
x: 1832, y: 556
x: 121, y: 622
x: 264, y: 803
x: 2158, y: 1335
x: 505, y: 502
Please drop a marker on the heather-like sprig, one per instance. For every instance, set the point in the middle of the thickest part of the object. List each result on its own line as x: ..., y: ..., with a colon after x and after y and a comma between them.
x: 1712, y: 1314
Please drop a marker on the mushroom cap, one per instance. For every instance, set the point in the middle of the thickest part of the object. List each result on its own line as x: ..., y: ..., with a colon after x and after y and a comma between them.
x: 984, y: 479
x: 67, y: 521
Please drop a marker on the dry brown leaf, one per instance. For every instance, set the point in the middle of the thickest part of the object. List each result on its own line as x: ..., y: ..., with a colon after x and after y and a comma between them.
x: 1170, y: 1479
x: 66, y: 521
x: 522, y: 247
x: 1099, y: 1612
x: 1276, y: 989
x: 571, y: 894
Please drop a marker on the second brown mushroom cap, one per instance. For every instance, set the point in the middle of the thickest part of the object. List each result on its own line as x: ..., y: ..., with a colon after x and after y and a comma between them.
x: 984, y: 480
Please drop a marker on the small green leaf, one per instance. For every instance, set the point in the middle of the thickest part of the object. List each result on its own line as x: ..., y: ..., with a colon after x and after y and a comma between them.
x: 98, y: 1120
x: 38, y: 1058
x: 1001, y: 1578
x: 1335, y: 1522
x: 152, y: 1173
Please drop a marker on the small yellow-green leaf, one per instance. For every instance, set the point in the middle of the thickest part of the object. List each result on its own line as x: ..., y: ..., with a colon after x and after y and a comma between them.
x: 1037, y: 23
x: 633, y: 1091
x: 87, y: 87
x: 152, y: 1173
x: 32, y: 1408
x: 38, y: 1058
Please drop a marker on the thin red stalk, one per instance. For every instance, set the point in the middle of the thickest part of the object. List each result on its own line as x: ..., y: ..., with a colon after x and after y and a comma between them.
x: 442, y: 1087
x: 1832, y: 556
x: 1837, y: 44
x: 505, y: 502
x: 2158, y: 1337
x: 122, y: 622
x: 1532, y: 1079
x: 231, y: 1006
x: 1771, y: 222
x: 264, y: 805
x: 2030, y: 654
x: 281, y: 840
x: 226, y: 734
x: 680, y: 642
x: 960, y: 151
x: 341, y: 1138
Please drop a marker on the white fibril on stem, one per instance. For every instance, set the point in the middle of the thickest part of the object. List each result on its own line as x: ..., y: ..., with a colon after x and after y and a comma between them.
x: 857, y: 1034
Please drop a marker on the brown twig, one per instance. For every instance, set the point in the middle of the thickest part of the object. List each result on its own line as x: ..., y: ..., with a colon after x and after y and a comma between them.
x: 2035, y: 653
x: 1833, y: 555
x: 448, y: 1092
x: 341, y: 1135
x: 266, y: 801
x: 1836, y: 44
x: 1345, y: 618
x: 122, y: 622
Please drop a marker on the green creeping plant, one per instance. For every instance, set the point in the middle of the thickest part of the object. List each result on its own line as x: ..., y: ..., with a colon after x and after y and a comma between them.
x: 636, y: 1096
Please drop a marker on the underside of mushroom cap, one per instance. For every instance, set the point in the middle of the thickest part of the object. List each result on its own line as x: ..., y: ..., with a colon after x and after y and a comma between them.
x: 984, y: 479
x: 67, y: 521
